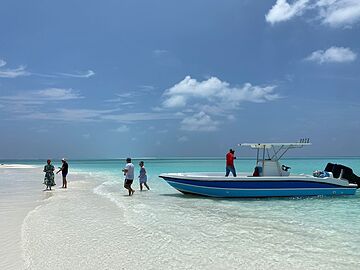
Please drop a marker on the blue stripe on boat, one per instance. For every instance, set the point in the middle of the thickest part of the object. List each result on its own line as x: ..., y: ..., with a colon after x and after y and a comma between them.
x: 253, y: 184
x: 259, y: 192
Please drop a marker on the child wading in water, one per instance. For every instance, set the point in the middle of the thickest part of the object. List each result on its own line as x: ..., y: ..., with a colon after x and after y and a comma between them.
x: 143, y: 176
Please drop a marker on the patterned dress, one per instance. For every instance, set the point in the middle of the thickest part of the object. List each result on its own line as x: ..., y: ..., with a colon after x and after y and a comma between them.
x: 49, y: 175
x: 142, y: 176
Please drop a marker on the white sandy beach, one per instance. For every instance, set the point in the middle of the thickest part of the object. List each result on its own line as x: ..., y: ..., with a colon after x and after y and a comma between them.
x: 95, y: 225
x: 22, y: 196
x: 18, y: 197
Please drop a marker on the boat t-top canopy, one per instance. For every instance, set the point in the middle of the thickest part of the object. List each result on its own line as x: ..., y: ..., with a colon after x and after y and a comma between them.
x: 279, y: 149
x: 270, y: 145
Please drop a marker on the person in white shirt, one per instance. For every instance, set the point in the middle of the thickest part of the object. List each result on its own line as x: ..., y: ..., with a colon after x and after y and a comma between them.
x: 129, y: 176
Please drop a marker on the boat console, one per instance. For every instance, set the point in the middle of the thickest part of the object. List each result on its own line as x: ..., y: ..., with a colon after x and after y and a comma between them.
x: 270, y: 167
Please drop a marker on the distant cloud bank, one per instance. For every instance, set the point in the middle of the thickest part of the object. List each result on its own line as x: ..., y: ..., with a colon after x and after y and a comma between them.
x: 26, y: 103
x: 335, y: 13
x: 201, y: 102
x: 215, y: 92
x: 332, y: 55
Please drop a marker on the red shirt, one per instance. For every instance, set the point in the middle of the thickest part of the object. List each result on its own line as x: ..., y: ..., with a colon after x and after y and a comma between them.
x: 230, y: 159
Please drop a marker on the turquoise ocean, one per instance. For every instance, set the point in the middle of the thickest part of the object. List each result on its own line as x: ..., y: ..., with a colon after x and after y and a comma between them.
x: 95, y: 225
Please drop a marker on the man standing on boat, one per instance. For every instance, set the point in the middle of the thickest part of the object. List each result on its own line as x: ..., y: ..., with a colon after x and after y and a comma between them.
x: 230, y: 156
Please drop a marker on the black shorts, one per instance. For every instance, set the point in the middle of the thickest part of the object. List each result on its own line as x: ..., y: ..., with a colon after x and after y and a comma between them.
x: 128, y: 182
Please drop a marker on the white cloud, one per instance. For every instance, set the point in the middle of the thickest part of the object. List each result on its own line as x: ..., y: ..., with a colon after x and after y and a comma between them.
x: 147, y: 87
x: 123, y: 128
x: 215, y: 93
x: 333, y: 55
x: 158, y: 109
x: 21, y: 71
x: 30, y: 102
x: 57, y: 94
x: 12, y: 73
x: 183, y: 139
x: 122, y: 99
x: 69, y: 115
x: 175, y: 101
x: 199, y: 122
x: 231, y: 117
x: 196, y: 102
x: 87, y: 74
x: 29, y: 105
x: 159, y: 52
x: 335, y: 13
x: 339, y: 12
x: 130, y: 117
x: 2, y: 62
x: 165, y: 58
x: 41, y: 96
x: 283, y: 11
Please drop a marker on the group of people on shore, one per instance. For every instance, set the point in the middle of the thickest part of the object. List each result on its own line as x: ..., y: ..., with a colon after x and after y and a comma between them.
x: 49, y: 169
x: 129, y: 176
x: 128, y: 171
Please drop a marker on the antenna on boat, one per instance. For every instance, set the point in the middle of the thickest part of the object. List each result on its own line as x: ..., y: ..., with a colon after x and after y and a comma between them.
x: 304, y: 140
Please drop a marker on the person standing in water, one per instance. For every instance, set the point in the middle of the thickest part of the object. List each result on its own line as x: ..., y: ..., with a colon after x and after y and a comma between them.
x: 49, y: 179
x: 129, y: 176
x: 64, y: 169
x: 142, y: 176
x: 230, y: 156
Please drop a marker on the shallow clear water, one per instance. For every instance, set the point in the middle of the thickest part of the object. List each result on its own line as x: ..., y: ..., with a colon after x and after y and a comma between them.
x: 95, y: 225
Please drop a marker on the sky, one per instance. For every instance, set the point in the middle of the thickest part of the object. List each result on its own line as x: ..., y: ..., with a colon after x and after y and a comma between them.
x: 111, y: 79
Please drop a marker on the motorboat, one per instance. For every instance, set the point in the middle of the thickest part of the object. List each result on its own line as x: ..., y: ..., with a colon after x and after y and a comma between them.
x: 270, y: 178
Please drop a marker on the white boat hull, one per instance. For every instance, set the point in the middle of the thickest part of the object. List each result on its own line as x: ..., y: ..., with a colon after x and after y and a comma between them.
x: 216, y: 185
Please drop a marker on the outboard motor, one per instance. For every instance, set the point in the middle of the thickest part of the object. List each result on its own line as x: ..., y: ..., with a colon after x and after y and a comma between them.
x: 344, y: 172
x: 329, y: 167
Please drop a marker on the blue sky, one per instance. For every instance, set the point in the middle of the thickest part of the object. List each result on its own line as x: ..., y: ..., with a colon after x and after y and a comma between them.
x: 110, y: 79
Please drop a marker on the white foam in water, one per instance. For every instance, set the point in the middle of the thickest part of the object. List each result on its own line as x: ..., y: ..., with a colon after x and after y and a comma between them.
x: 95, y: 225
x: 17, y: 166
x: 25, y: 232
x: 103, y: 188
